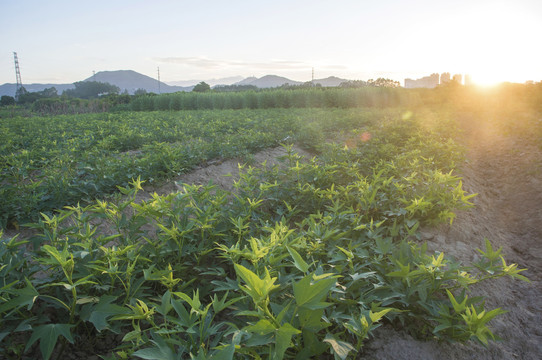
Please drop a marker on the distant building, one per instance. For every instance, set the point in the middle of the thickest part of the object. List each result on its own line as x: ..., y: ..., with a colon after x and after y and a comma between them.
x: 458, y: 78
x: 444, y: 77
x: 434, y: 80
x: 430, y: 81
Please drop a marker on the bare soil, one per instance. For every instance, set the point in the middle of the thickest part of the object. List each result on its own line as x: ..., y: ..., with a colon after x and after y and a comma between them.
x: 223, y: 174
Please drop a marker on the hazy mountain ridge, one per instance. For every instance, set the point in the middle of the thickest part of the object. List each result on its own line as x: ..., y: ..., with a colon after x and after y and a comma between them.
x: 212, y: 82
x: 330, y: 81
x: 129, y: 80
x: 271, y: 81
x: 246, y: 81
x: 126, y: 80
x: 268, y: 81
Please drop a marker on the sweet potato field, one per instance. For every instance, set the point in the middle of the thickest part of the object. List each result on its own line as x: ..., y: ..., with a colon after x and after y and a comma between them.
x: 302, y: 259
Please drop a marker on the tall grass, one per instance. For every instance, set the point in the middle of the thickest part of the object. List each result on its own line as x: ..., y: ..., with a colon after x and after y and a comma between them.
x: 378, y: 97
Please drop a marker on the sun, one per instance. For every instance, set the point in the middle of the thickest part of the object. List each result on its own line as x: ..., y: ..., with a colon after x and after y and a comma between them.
x: 494, y: 44
x: 485, y: 77
x: 498, y: 72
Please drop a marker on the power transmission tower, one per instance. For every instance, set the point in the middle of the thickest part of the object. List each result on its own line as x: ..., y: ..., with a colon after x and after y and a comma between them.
x: 20, y: 88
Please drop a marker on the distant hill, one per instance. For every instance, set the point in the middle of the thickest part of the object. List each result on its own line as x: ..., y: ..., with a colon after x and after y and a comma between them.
x: 125, y: 79
x: 212, y: 82
x: 268, y: 81
x: 330, y: 81
x: 247, y: 81
x: 131, y: 81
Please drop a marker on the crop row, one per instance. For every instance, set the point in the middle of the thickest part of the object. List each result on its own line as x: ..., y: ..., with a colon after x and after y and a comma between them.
x: 50, y: 162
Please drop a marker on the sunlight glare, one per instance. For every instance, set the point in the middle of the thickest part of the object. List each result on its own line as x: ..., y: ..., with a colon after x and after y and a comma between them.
x: 492, y: 53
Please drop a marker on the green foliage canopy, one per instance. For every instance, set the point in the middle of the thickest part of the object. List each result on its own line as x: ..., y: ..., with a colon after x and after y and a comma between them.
x: 202, y: 87
x: 7, y: 100
x: 91, y: 89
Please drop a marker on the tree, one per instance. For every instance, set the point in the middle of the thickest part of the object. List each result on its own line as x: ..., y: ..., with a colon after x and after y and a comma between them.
x: 7, y: 100
x: 49, y: 92
x: 30, y: 97
x: 140, y: 92
x: 202, y: 87
x: 353, y: 84
x: 91, y: 89
x: 381, y: 82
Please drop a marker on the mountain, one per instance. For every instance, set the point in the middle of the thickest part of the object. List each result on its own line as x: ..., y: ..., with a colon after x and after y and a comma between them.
x: 131, y: 81
x: 212, y: 82
x: 268, y: 81
x: 331, y: 81
x: 125, y: 79
x: 246, y: 81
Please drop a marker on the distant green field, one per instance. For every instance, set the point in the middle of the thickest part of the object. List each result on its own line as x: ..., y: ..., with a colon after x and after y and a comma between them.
x: 50, y: 162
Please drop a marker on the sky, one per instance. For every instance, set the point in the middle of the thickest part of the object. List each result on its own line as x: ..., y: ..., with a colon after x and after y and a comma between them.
x: 61, y: 41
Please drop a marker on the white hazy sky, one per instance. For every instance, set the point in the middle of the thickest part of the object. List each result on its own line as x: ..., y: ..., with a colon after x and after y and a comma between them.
x: 64, y: 41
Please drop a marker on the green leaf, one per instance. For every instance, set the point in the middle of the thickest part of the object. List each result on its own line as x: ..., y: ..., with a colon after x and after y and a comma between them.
x: 441, y: 327
x: 48, y: 336
x: 262, y: 327
x: 134, y: 334
x: 283, y: 312
x: 490, y: 254
x: 375, y: 317
x: 56, y: 257
x: 86, y: 300
x: 257, y: 288
x: 458, y: 307
x: 340, y: 348
x: 488, y: 316
x: 403, y: 273
x: 103, y: 310
x: 226, y: 353
x: 298, y: 260
x: 311, y: 319
x: 310, y: 293
x: 160, y: 351
x: 248, y: 313
x: 193, y: 301
x: 283, y: 339
x: 155, y: 353
x: 313, y: 347
x: 221, y: 304
x: 24, y: 297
